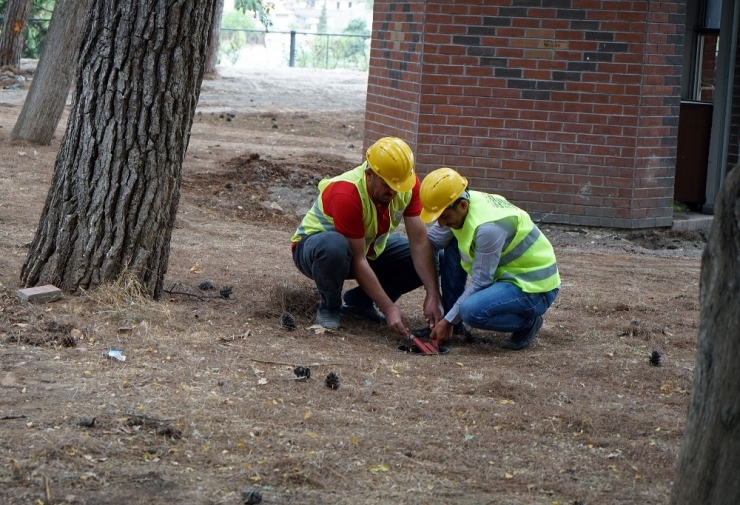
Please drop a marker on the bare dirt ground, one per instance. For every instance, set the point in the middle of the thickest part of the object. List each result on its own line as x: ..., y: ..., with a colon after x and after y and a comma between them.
x: 206, y: 403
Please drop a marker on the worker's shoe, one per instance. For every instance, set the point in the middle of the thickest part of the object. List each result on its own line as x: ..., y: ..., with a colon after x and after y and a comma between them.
x: 370, y: 313
x: 464, y: 331
x: 327, y: 318
x: 522, y: 339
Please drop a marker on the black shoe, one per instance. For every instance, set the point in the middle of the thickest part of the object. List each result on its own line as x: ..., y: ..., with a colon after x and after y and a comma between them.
x: 461, y: 329
x: 522, y: 339
x: 422, y: 332
x: 370, y: 313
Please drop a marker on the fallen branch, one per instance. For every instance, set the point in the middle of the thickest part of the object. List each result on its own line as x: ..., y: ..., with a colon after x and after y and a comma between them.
x: 224, y: 293
x: 294, y: 364
x: 13, y: 416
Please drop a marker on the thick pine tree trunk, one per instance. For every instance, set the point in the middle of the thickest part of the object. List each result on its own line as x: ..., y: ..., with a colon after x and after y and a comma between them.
x: 709, y: 460
x: 116, y: 185
x: 12, y: 36
x: 45, y: 101
x: 213, y: 44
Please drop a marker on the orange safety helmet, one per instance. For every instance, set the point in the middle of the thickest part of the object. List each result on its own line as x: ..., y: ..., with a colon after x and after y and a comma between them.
x: 392, y: 160
x: 440, y: 189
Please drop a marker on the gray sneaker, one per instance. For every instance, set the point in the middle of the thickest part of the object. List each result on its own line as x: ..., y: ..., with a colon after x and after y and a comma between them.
x: 523, y: 339
x: 329, y: 319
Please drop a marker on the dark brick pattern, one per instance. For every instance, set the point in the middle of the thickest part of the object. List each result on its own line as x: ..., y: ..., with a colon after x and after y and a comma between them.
x: 567, y: 107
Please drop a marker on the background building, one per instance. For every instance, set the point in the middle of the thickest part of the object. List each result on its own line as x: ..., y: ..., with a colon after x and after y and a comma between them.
x: 570, y: 108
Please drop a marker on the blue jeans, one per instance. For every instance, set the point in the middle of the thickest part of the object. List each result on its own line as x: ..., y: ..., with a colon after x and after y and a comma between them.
x: 327, y: 257
x: 503, y: 306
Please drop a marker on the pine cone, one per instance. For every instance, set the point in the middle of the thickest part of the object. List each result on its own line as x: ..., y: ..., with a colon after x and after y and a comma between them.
x: 206, y: 286
x: 287, y: 321
x: 302, y: 371
x: 68, y: 341
x: 332, y: 381
x: 225, y: 292
x: 655, y: 358
x: 251, y: 496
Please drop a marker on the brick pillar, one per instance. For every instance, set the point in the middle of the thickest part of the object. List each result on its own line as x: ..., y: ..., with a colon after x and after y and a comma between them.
x: 657, y: 133
x: 567, y: 107
x: 393, y: 85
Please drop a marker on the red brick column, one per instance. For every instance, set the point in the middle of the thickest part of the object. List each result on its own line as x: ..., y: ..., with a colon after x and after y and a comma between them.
x: 394, y: 83
x: 567, y: 107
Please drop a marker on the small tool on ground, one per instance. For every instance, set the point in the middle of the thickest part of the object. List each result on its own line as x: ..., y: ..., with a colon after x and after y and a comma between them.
x: 425, y: 348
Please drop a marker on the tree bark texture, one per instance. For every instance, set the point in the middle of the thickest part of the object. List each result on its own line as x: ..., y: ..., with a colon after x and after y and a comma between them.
x: 13, y: 34
x: 116, y: 184
x: 45, y: 101
x: 709, y: 459
x: 213, y: 44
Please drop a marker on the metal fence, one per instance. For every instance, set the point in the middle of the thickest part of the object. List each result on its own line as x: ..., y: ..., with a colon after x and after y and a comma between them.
x: 257, y: 47
x: 295, y: 49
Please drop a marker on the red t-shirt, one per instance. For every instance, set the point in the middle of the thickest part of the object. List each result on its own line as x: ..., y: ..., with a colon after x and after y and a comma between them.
x: 342, y: 202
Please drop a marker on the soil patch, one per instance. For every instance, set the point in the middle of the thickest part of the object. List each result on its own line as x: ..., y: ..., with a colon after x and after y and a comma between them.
x: 207, y: 401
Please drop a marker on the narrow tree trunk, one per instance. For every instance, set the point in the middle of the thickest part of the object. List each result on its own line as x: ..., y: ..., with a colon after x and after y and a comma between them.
x: 213, y: 44
x: 13, y: 34
x: 45, y: 101
x: 707, y: 470
x: 116, y: 185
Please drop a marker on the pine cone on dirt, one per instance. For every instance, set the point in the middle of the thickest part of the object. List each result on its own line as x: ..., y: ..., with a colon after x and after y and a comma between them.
x: 206, y: 286
x: 302, y: 371
x: 655, y: 358
x: 68, y: 341
x: 251, y: 496
x: 332, y: 381
x: 287, y: 321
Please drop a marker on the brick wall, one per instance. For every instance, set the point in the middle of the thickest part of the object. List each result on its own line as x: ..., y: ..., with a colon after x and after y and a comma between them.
x: 567, y: 107
x: 394, y: 84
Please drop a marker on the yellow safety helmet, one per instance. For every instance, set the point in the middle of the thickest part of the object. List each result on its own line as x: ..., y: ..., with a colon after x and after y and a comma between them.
x: 439, y: 190
x: 392, y: 160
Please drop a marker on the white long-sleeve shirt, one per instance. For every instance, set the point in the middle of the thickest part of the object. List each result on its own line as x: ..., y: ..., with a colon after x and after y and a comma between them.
x: 490, y: 239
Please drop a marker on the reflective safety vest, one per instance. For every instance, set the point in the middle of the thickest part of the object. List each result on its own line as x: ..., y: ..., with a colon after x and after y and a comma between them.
x: 316, y: 221
x: 527, y: 260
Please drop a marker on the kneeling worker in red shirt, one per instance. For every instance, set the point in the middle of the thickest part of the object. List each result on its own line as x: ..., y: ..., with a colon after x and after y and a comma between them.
x: 349, y: 234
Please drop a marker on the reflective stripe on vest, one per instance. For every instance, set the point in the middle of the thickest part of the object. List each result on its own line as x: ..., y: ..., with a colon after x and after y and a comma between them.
x: 316, y: 221
x: 527, y: 260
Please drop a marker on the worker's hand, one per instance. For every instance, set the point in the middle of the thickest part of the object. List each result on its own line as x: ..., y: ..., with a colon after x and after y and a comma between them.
x: 433, y: 310
x: 441, y: 332
x: 394, y: 319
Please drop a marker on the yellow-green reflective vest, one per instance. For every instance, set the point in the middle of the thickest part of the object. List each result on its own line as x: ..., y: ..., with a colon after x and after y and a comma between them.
x: 528, y: 260
x: 316, y: 221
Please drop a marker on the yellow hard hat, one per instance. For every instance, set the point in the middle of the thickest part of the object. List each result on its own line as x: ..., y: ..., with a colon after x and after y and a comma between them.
x: 439, y: 190
x: 392, y: 160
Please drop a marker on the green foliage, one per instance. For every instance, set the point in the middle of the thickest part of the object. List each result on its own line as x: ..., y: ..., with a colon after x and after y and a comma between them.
x: 323, y: 25
x: 260, y: 8
x: 233, y: 40
x: 357, y: 26
x: 330, y: 51
x: 238, y: 20
x: 37, y: 26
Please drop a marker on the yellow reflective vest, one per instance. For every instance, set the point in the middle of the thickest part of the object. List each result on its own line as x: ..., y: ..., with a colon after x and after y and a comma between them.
x: 528, y: 260
x: 316, y: 221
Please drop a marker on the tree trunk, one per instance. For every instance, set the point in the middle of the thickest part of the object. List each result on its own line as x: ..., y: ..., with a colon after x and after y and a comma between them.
x: 213, y: 44
x: 116, y: 185
x: 45, y: 101
x: 12, y: 36
x: 709, y: 459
